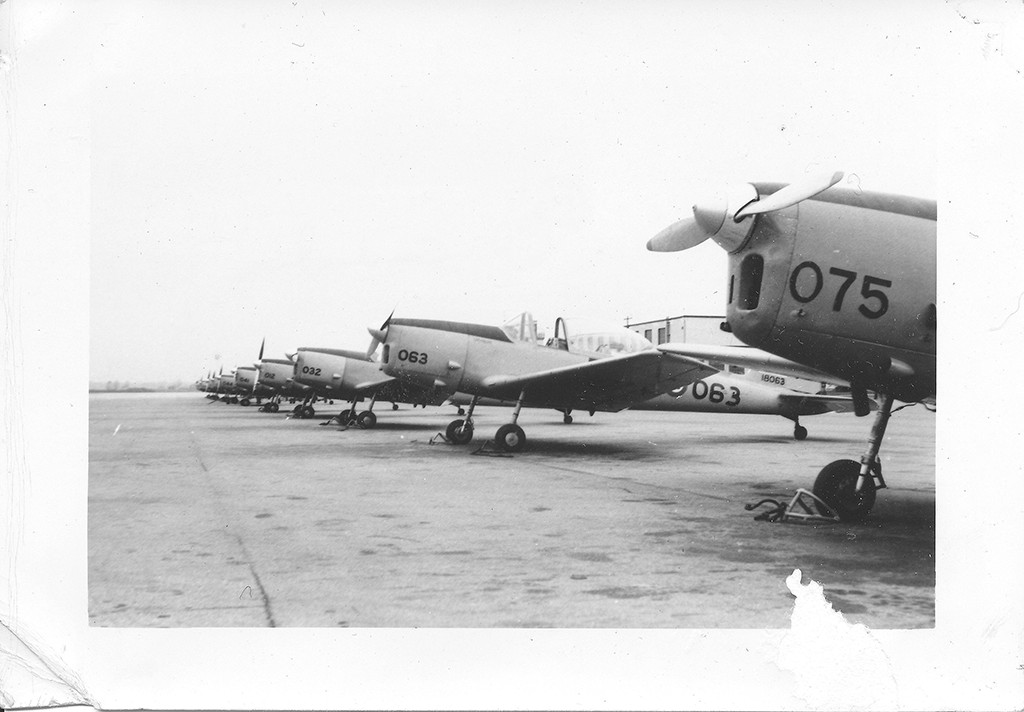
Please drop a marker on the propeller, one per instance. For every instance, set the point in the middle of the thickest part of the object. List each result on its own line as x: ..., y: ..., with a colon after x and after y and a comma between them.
x: 721, y: 217
x: 259, y: 359
x: 379, y: 335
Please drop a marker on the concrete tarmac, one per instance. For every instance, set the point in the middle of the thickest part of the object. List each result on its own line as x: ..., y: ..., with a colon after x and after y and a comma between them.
x: 208, y: 514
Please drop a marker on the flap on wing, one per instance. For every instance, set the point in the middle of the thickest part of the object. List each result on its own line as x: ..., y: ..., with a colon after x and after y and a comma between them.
x: 604, y: 384
x: 750, y: 358
x: 811, y: 404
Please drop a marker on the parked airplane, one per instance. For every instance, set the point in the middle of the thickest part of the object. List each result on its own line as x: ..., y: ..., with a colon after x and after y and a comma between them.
x: 726, y: 393
x: 245, y: 383
x: 511, y: 363
x: 754, y: 393
x: 838, y: 280
x: 275, y: 381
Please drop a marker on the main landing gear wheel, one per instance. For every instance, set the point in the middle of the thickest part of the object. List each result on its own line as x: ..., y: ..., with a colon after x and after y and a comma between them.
x: 346, y: 416
x: 510, y: 438
x: 367, y: 419
x: 836, y: 485
x: 273, y: 407
x: 800, y: 432
x: 308, y: 412
x: 244, y: 401
x: 459, y: 432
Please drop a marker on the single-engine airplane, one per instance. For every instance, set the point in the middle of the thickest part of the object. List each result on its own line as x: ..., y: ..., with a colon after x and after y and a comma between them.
x: 274, y: 380
x: 755, y: 392
x: 841, y: 281
x: 511, y: 363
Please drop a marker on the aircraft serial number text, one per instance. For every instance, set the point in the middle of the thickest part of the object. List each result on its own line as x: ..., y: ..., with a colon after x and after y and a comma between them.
x: 311, y: 370
x: 715, y: 393
x: 805, y: 292
x: 412, y: 356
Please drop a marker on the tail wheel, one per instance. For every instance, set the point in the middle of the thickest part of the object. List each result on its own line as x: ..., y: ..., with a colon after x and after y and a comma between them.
x: 836, y: 485
x: 459, y: 432
x: 367, y: 419
x: 510, y: 438
x: 799, y: 432
x: 567, y: 419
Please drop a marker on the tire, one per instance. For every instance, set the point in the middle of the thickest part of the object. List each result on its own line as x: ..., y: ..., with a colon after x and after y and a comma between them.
x: 567, y: 419
x: 459, y: 432
x: 800, y: 432
x: 367, y: 419
x: 835, y: 485
x: 510, y: 438
x: 273, y: 407
x: 244, y: 401
x: 308, y: 412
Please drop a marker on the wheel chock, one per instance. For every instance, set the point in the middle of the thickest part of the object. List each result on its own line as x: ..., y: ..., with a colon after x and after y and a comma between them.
x: 439, y: 438
x: 489, y: 449
x: 796, y: 511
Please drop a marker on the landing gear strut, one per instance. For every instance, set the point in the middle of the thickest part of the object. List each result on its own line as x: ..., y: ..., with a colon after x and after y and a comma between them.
x: 511, y: 437
x: 305, y: 408
x: 460, y: 432
x: 848, y: 487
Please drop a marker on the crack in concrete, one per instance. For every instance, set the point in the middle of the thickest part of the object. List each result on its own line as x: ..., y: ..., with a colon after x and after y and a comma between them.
x: 259, y: 584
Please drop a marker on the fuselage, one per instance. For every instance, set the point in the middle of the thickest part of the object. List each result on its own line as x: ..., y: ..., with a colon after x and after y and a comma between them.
x: 343, y: 374
x: 460, y: 357
x: 844, y: 283
x: 276, y: 377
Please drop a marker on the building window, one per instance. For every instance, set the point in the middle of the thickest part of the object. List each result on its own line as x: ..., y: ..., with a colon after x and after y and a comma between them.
x: 661, y: 335
x: 647, y: 334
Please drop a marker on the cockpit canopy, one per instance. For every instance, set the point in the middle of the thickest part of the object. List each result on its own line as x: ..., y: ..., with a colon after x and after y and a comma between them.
x: 578, y: 335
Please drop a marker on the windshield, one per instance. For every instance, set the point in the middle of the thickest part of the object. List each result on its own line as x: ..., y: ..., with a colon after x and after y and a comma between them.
x: 603, y: 338
x: 521, y: 328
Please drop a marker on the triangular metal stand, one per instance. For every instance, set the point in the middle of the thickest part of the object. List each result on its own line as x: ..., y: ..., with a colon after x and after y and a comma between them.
x: 798, y: 510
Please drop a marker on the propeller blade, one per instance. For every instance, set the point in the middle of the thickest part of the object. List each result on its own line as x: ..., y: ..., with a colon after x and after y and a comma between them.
x: 291, y: 357
x: 804, y: 188
x: 379, y: 336
x: 680, y: 235
x: 262, y: 344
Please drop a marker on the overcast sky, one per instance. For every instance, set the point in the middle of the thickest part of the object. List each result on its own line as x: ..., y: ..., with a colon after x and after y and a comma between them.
x: 295, y: 171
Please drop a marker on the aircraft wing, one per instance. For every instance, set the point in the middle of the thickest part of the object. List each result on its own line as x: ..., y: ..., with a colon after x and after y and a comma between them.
x: 372, y: 383
x: 750, y: 358
x: 811, y: 404
x: 391, y: 389
x: 607, y: 384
